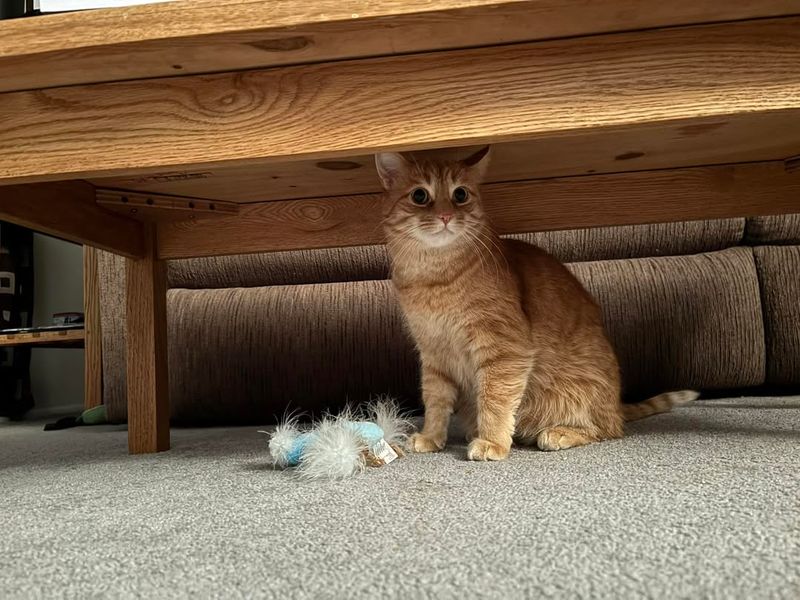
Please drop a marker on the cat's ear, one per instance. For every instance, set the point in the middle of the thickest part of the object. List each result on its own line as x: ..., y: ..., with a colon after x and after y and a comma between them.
x: 391, y: 167
x: 478, y: 162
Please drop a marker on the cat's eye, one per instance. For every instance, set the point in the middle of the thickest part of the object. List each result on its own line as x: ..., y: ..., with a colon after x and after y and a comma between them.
x: 419, y: 197
x: 460, y: 195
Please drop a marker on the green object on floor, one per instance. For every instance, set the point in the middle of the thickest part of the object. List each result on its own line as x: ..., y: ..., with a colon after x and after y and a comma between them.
x: 91, y: 416
x: 94, y: 416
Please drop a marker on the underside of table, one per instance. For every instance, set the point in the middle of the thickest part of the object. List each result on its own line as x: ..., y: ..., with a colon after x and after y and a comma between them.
x: 200, y: 128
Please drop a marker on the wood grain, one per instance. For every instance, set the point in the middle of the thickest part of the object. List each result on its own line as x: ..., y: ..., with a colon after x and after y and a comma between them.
x: 752, y: 137
x: 93, y: 339
x: 648, y: 197
x: 68, y: 210
x: 550, y: 204
x: 70, y: 338
x: 267, y: 226
x: 148, y: 399
x: 696, y: 76
x: 202, y: 37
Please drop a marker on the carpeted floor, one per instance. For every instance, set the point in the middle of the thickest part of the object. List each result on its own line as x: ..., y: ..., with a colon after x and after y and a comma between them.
x: 701, y: 503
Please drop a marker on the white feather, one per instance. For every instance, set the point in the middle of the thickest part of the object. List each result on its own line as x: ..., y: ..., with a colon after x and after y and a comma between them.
x: 281, y: 441
x: 386, y: 414
x: 336, y: 453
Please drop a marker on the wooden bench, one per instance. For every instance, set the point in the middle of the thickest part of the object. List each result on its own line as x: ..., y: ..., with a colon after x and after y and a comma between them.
x: 201, y: 128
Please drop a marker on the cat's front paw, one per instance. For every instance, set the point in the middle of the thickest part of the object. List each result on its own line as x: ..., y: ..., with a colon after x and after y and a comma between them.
x: 485, y: 450
x: 423, y: 443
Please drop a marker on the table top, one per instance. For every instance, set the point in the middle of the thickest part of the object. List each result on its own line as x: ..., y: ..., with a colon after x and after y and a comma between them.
x: 207, y: 36
x: 169, y: 107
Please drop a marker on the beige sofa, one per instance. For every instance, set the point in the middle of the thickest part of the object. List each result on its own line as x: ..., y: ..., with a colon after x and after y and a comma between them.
x: 710, y: 305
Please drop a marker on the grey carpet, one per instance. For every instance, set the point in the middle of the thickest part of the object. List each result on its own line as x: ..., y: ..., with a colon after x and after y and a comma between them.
x: 701, y: 503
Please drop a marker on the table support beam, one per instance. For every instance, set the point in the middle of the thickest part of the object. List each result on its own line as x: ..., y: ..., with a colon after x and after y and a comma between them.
x: 69, y: 210
x: 717, y: 192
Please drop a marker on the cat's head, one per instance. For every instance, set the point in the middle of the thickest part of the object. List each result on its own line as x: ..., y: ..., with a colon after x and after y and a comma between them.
x: 434, y: 203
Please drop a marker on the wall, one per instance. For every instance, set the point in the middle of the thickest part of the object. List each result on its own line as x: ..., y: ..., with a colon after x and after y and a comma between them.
x: 56, y: 374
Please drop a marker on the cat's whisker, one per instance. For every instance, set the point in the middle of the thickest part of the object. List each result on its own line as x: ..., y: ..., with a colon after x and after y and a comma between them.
x: 473, y: 241
x: 396, y: 257
x: 406, y: 248
x: 497, y: 245
x: 477, y: 238
x: 470, y: 240
x: 494, y: 259
x: 492, y: 239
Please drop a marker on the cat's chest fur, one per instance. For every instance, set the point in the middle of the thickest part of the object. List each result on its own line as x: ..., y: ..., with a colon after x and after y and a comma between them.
x: 439, y: 325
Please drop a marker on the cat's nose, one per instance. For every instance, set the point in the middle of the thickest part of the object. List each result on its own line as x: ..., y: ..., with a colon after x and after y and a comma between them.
x: 445, y: 217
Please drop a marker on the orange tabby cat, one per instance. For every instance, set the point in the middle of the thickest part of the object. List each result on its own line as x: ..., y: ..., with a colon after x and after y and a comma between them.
x: 508, y: 338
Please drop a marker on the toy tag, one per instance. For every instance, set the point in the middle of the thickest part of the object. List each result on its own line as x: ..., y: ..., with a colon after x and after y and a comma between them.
x: 384, y: 451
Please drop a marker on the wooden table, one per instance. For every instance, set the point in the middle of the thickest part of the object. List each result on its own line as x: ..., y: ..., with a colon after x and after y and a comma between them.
x: 200, y: 128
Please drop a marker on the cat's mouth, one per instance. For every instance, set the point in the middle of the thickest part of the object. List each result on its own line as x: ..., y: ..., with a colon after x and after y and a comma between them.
x: 443, y: 236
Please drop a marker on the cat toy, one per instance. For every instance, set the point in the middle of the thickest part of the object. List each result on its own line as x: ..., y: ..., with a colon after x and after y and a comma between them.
x: 341, y: 446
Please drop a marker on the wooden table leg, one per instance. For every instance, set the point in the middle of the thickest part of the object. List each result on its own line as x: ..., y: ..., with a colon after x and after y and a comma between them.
x: 93, y: 348
x: 148, y: 400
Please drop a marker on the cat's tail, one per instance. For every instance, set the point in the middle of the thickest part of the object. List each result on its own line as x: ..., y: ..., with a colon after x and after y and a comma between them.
x: 658, y: 404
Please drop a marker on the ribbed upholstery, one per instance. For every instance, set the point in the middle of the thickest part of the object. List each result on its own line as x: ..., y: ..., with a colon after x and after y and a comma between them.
x: 370, y: 262
x: 280, y: 268
x: 779, y: 272
x: 249, y: 354
x: 634, y: 241
x: 683, y: 321
x: 780, y: 229
x: 111, y: 274
x: 245, y: 355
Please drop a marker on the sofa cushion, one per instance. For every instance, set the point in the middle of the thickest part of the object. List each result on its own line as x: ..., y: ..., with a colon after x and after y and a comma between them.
x: 635, y: 241
x: 370, y: 262
x: 779, y: 273
x: 777, y: 229
x: 681, y: 321
x: 280, y: 268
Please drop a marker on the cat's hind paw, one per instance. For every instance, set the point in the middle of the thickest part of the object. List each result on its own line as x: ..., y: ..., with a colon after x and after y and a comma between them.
x: 561, y: 438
